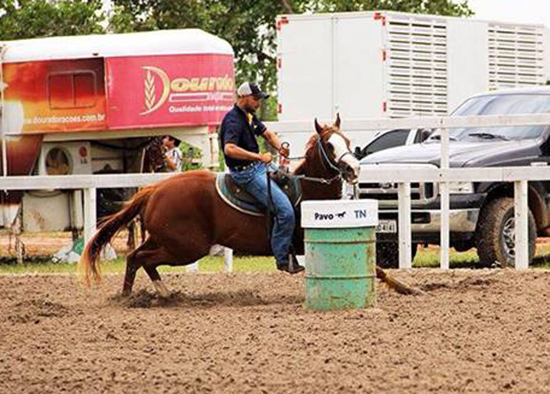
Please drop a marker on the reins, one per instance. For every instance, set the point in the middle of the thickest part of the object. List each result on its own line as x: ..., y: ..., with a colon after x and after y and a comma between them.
x: 324, y: 158
x: 318, y: 180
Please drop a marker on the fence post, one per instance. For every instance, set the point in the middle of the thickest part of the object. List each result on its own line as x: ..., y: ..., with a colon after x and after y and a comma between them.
x: 90, y: 213
x: 228, y: 259
x: 444, y: 201
x: 444, y: 235
x: 521, y: 214
x: 404, y: 225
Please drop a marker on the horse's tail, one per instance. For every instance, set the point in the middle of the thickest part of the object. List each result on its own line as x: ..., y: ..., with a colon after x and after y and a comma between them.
x: 89, y: 267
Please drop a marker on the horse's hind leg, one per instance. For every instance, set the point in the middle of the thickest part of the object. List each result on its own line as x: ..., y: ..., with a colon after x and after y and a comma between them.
x: 133, y: 262
x: 153, y: 258
x: 130, y: 275
x: 150, y: 258
x: 150, y: 255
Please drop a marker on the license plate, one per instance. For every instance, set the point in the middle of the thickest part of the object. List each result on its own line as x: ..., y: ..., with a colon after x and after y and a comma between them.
x: 387, y: 226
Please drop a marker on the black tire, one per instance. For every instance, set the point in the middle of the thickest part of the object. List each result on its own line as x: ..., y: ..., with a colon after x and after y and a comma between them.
x: 387, y: 254
x: 495, y: 238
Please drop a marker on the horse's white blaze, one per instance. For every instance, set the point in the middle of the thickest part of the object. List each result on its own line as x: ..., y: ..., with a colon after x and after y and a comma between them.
x: 342, y: 153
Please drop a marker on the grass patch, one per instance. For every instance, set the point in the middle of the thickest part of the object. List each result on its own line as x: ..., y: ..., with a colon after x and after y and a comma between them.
x: 425, y: 258
x: 207, y: 264
x: 429, y: 258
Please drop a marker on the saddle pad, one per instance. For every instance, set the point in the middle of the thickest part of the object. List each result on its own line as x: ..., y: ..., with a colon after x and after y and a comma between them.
x: 244, y: 202
x: 230, y: 199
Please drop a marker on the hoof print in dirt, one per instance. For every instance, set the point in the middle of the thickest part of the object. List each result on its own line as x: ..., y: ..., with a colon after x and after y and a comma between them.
x: 146, y: 299
x: 33, y: 310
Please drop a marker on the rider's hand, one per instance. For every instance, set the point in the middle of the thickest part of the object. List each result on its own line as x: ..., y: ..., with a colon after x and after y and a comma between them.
x: 284, y: 151
x: 266, y: 157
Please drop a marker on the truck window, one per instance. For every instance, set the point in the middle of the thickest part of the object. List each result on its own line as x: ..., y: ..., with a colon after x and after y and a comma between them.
x: 503, y: 104
x: 388, y: 140
x: 75, y: 89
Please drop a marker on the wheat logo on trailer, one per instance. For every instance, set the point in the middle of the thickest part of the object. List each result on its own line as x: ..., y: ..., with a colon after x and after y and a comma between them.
x: 151, y: 103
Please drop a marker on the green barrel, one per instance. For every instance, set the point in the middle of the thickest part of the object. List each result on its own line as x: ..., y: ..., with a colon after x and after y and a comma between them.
x: 340, y: 254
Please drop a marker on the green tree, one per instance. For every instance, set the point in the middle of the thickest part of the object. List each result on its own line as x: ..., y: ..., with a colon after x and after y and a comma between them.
x: 249, y: 25
x: 41, y: 18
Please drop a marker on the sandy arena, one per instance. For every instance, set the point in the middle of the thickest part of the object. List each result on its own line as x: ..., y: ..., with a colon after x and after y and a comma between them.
x: 472, y: 331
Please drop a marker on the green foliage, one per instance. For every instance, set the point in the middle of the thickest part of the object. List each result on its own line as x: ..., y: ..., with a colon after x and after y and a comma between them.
x: 42, y: 18
x: 191, y: 156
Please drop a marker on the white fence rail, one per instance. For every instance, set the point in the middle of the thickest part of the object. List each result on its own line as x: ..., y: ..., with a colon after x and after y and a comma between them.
x: 443, y: 175
x: 519, y: 175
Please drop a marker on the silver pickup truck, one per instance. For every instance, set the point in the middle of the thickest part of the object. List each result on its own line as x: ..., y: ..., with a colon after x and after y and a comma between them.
x: 481, y: 213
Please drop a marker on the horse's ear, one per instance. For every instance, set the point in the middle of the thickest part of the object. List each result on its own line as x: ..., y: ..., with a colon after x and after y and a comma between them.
x: 337, y: 123
x: 318, y: 127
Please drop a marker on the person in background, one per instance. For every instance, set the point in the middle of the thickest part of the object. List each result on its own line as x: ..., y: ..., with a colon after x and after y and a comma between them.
x: 173, y: 156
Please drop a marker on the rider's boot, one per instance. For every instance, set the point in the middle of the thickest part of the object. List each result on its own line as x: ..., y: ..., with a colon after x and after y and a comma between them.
x: 293, y: 266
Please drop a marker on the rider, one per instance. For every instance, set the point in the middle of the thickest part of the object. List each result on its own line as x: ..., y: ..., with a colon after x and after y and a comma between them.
x: 248, y: 168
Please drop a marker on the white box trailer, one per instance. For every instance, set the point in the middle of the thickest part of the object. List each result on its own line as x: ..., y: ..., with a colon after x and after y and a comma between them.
x: 547, y: 54
x: 388, y: 64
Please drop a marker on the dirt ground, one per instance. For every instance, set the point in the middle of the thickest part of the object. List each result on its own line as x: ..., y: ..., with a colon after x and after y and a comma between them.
x: 484, y: 331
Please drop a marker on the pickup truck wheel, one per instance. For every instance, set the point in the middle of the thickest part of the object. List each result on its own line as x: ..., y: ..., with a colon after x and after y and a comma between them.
x: 495, y: 239
x: 387, y: 254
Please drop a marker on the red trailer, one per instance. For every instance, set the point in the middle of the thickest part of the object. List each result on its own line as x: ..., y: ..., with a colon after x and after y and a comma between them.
x: 87, y: 105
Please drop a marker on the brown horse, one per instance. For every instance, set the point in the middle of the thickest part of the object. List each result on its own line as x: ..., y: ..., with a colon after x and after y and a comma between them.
x: 184, y: 215
x: 154, y: 156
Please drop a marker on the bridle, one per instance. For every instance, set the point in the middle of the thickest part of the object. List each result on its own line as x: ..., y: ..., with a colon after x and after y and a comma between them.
x: 326, y: 161
x: 332, y: 164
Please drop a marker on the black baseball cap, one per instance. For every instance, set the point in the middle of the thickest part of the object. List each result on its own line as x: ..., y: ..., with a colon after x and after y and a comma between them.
x: 250, y: 88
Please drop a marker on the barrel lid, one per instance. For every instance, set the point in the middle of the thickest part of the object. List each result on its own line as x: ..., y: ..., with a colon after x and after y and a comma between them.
x: 339, y: 213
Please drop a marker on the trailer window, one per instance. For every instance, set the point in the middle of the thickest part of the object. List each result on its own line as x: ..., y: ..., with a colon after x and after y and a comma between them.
x: 75, y: 89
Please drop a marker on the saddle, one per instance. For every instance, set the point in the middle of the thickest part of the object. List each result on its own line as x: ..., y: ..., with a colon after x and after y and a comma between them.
x: 239, y: 199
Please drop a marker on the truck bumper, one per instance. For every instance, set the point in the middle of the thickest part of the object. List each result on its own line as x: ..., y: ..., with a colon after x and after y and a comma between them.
x: 429, y: 221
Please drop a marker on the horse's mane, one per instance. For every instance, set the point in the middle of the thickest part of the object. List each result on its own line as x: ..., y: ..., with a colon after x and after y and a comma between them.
x: 312, y: 141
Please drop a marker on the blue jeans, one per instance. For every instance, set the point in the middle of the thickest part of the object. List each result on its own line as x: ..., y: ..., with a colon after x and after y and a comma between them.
x: 254, y: 181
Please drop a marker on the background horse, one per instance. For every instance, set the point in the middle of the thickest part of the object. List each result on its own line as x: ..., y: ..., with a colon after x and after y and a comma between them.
x: 185, y: 216
x: 154, y: 156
